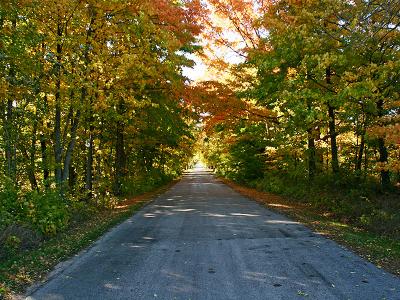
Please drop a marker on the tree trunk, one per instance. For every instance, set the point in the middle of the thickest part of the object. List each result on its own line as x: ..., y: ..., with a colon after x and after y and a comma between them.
x: 120, y: 161
x: 89, y: 157
x: 383, y: 153
x: 8, y: 135
x: 45, y: 166
x: 360, y: 153
x: 32, y: 166
x: 89, y: 165
x: 383, y: 158
x: 120, y: 156
x: 71, y: 146
x: 332, y: 129
x: 311, y: 155
x: 57, y: 121
x: 90, y: 152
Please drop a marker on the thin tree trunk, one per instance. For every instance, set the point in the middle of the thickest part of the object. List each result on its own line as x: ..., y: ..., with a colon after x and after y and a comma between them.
x: 90, y: 152
x: 45, y: 165
x: 311, y: 155
x: 32, y: 166
x: 383, y: 158
x: 120, y: 161
x: 71, y: 146
x: 332, y: 129
x: 120, y: 156
x: 360, y: 154
x: 57, y: 121
x: 383, y: 153
x: 89, y: 165
x: 8, y: 127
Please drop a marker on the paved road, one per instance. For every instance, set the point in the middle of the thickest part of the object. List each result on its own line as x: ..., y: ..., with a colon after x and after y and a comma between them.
x: 201, y: 240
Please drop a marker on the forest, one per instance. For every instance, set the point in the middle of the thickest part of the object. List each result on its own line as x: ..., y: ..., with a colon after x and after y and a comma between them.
x: 312, y: 109
x: 93, y: 107
x: 301, y: 98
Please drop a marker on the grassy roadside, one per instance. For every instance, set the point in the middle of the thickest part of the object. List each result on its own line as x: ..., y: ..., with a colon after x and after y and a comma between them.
x: 21, y: 270
x: 382, y: 251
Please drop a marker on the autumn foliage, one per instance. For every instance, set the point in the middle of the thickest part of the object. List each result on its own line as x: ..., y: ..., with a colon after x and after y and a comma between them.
x: 91, y: 103
x: 325, y: 74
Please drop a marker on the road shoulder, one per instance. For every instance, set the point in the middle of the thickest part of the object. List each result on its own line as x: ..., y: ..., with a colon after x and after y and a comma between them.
x: 382, y: 252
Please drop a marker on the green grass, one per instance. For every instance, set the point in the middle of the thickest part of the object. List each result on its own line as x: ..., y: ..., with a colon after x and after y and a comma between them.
x: 381, y: 250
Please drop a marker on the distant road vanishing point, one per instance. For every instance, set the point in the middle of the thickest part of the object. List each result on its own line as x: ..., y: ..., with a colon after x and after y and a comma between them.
x: 203, y: 241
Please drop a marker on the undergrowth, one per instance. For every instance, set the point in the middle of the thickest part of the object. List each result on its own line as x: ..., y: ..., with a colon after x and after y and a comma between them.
x: 347, y: 198
x: 47, y: 228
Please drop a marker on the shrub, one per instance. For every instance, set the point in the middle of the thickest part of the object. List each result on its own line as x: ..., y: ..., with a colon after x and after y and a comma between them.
x: 47, y: 211
x: 381, y: 221
x: 16, y: 237
x: 9, y: 209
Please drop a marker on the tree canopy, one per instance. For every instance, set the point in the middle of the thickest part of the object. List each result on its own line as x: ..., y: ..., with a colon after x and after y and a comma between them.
x: 94, y: 102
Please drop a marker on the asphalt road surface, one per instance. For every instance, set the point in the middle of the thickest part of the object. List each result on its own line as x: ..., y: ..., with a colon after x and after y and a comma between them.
x: 201, y: 240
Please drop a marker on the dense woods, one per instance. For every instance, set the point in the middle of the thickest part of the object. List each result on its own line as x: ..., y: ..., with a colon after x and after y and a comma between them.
x: 303, y: 100
x: 92, y: 105
x: 300, y: 98
x: 313, y: 108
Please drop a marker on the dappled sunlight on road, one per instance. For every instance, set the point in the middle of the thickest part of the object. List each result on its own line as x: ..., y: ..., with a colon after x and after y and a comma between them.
x: 203, y: 241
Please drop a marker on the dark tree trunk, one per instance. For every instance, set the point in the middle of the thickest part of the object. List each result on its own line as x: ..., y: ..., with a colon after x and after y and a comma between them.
x: 332, y: 129
x: 360, y: 153
x: 90, y: 150
x: 383, y: 153
x: 72, y: 177
x: 120, y: 161
x: 45, y: 166
x: 89, y: 166
x: 311, y: 155
x: 383, y: 158
x: 120, y: 155
x: 71, y: 146
x: 90, y: 153
x: 57, y: 120
x: 8, y: 135
x: 32, y: 166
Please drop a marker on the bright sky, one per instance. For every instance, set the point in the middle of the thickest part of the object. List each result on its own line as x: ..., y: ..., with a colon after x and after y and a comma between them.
x: 198, y: 72
x: 201, y: 71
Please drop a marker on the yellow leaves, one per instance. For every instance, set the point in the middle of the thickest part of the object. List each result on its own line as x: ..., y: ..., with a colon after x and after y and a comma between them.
x: 350, y: 76
x: 291, y: 73
x: 393, y: 166
x: 3, y: 88
x: 101, y: 104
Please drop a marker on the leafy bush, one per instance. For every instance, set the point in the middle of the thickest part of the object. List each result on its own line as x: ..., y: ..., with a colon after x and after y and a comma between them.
x: 247, y: 162
x: 47, y: 211
x: 346, y: 197
x: 382, y: 221
x: 9, y: 209
x: 16, y: 237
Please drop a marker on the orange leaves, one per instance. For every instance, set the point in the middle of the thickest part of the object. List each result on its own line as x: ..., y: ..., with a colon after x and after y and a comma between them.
x: 220, y: 105
x: 182, y: 20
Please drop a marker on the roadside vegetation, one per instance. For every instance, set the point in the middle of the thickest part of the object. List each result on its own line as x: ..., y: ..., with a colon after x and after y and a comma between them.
x: 301, y: 100
x: 381, y: 249
x: 93, y: 110
x: 31, y: 263
x: 311, y: 111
